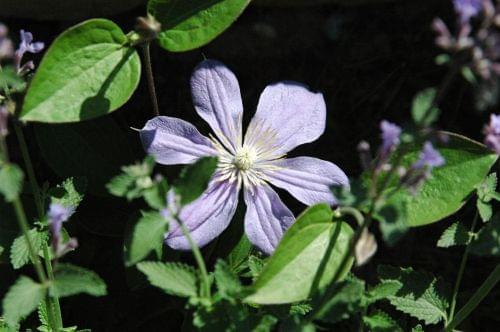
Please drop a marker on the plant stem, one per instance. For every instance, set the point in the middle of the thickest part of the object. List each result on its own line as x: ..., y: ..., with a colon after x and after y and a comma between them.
x: 52, y: 302
x: 150, y: 78
x: 461, y: 270
x: 474, y: 301
x: 205, y: 291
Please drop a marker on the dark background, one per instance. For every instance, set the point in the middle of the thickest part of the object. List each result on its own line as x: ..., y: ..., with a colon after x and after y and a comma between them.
x: 367, y: 60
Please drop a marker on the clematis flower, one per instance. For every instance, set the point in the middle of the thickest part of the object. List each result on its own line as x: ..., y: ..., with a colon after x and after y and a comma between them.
x: 466, y: 9
x: 26, y: 45
x: 58, y: 214
x: 287, y: 115
x: 492, y: 132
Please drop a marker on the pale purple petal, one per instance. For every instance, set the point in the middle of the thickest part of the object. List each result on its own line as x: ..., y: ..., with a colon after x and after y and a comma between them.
x: 266, y: 218
x: 288, y: 115
x: 308, y: 179
x: 217, y: 99
x: 174, y: 141
x: 207, y: 217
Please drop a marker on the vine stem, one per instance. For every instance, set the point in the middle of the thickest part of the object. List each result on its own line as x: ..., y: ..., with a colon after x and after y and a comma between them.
x: 52, y: 302
x: 461, y: 270
x: 475, y: 299
x: 198, y: 257
x: 149, y: 74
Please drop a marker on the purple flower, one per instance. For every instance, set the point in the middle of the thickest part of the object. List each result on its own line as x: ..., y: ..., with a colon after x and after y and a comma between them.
x: 26, y: 45
x: 58, y: 214
x: 4, y: 117
x: 288, y: 115
x: 6, y: 46
x: 492, y: 132
x: 390, y: 136
x: 429, y: 157
x: 466, y: 9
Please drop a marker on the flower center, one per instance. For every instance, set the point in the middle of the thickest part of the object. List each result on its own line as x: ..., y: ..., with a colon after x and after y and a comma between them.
x: 244, y: 159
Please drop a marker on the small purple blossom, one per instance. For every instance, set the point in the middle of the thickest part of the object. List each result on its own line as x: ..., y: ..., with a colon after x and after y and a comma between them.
x: 26, y: 45
x: 58, y: 214
x: 4, y: 117
x: 390, y: 136
x: 466, y: 9
x: 492, y: 132
x: 429, y: 157
x: 287, y: 115
x: 6, y: 46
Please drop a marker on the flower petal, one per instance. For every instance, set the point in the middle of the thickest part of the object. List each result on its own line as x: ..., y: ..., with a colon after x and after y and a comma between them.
x: 288, y: 115
x: 266, y: 218
x: 307, y: 179
x: 206, y: 217
x: 217, y: 99
x: 174, y: 141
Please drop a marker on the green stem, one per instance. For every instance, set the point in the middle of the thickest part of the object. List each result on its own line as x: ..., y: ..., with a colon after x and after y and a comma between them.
x: 461, y: 270
x: 52, y: 302
x: 205, y: 291
x: 150, y: 78
x: 474, y: 301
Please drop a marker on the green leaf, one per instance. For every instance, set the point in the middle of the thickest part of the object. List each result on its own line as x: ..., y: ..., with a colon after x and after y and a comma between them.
x: 187, y: 25
x: 92, y: 149
x: 380, y: 321
x: 155, y: 196
x: 22, y: 299
x: 194, y: 179
x: 11, y: 181
x: 72, y: 280
x: 10, y: 79
x: 173, y: 278
x: 227, y: 282
x: 485, y: 210
x: 255, y: 265
x: 487, y: 188
x: 69, y: 193
x: 147, y: 236
x: 422, y: 111
x: 305, y: 260
x: 392, y: 221
x: 455, y: 235
x: 487, y: 242
x: 418, y: 294
x: 346, y: 301
x: 87, y: 72
x: 467, y: 165
x: 19, y: 251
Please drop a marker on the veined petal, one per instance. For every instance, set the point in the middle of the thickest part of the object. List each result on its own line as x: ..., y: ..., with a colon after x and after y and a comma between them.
x: 207, y: 217
x: 217, y: 99
x: 174, y: 141
x: 288, y: 115
x: 266, y: 218
x: 307, y: 179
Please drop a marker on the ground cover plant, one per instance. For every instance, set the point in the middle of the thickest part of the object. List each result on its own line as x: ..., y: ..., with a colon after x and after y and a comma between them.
x: 255, y: 166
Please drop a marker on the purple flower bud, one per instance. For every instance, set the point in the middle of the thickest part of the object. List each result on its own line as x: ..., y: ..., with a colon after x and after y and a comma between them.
x: 466, y: 9
x: 429, y: 157
x: 492, y: 132
x: 26, y: 45
x: 58, y: 214
x: 4, y: 116
x: 6, y: 46
x: 390, y: 136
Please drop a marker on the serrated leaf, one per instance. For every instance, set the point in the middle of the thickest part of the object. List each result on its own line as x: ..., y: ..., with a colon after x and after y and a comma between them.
x: 307, y: 257
x: 467, y: 165
x: 148, y: 235
x: 228, y: 284
x: 345, y: 302
x: 22, y: 299
x: 187, y: 25
x: 120, y: 185
x: 72, y: 280
x: 487, y: 188
x: 455, y: 235
x: 418, y: 294
x: 194, y: 179
x: 392, y: 221
x: 485, y: 210
x: 69, y: 193
x: 10, y: 79
x: 255, y: 265
x: 100, y: 74
x: 422, y: 111
x: 173, y: 278
x: 487, y: 242
x: 11, y: 181
x: 19, y: 251
x: 155, y: 196
x: 380, y: 321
